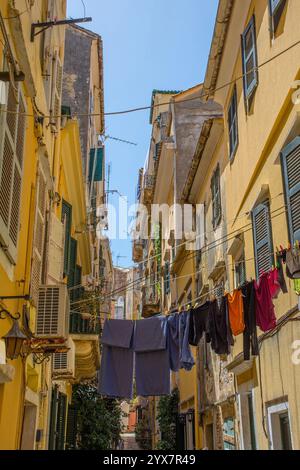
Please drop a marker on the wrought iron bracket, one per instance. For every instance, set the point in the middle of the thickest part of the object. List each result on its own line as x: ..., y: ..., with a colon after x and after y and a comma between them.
x: 6, y: 314
x: 49, y: 24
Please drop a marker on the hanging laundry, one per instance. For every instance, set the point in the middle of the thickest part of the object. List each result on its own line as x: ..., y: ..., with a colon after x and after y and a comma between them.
x: 116, y: 373
x: 293, y: 263
x: 152, y: 367
x: 186, y: 358
x: 220, y: 334
x: 173, y: 342
x: 274, y: 285
x: 297, y: 286
x: 236, y: 312
x: 280, y: 259
x: 265, y: 313
x: 199, y: 323
x: 250, y: 332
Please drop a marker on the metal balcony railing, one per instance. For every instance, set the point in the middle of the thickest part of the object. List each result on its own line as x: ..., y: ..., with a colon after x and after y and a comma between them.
x: 82, y: 326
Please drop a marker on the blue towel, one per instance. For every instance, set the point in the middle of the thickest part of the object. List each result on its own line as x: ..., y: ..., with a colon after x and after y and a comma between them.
x: 152, y: 367
x: 186, y: 358
x: 173, y: 342
x: 116, y: 373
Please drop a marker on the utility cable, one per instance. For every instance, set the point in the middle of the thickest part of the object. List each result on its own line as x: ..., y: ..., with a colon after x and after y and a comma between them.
x: 211, y: 246
x: 203, y: 95
x: 208, y: 248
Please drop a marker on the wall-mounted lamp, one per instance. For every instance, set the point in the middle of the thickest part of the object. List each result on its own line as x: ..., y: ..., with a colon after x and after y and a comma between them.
x: 15, y: 338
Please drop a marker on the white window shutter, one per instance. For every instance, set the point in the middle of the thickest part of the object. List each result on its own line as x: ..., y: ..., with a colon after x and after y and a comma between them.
x: 12, y: 142
x: 57, y: 76
x: 56, y: 251
x: 39, y: 233
x: 200, y: 228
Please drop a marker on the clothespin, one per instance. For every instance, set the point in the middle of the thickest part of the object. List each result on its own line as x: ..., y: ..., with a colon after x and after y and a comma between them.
x: 196, y: 305
x: 289, y: 247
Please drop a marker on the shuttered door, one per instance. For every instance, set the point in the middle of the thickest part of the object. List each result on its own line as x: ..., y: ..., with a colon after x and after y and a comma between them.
x: 66, y: 217
x: 53, y: 419
x: 39, y: 232
x: 12, y: 139
x: 61, y: 422
x: 57, y: 73
x: 78, y: 281
x: 72, y: 420
x: 263, y: 244
x: 291, y: 172
x: 72, y: 267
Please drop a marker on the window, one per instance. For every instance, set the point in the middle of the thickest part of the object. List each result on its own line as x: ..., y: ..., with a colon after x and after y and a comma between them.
x: 276, y: 10
x: 39, y: 235
x: 216, y: 198
x: 233, y: 125
x: 247, y: 423
x: 263, y: 243
x: 290, y: 158
x: 167, y: 285
x: 66, y: 217
x: 249, y: 58
x: 240, y: 271
x: 279, y: 427
x: 12, y: 141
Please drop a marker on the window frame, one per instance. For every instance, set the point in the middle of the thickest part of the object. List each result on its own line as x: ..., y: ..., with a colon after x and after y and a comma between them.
x: 216, y: 198
x: 232, y: 121
x: 249, y: 90
x: 276, y: 14
x: 278, y: 410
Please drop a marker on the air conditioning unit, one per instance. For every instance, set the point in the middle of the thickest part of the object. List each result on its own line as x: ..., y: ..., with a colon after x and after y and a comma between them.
x: 63, y: 363
x: 53, y: 312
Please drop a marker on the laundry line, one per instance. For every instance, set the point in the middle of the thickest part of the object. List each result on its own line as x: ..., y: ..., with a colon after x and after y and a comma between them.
x: 211, y: 246
x: 196, y: 238
x: 144, y: 108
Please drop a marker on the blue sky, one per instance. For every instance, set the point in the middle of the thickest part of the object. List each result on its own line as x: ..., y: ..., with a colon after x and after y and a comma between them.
x: 148, y: 44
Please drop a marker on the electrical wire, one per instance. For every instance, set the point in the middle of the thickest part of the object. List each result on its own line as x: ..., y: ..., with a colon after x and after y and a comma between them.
x: 212, y: 247
x: 201, y: 96
x: 208, y: 248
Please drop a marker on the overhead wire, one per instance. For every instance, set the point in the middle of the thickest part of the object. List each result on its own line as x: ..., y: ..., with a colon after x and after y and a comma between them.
x: 213, y: 245
x: 210, y: 247
x: 202, y: 95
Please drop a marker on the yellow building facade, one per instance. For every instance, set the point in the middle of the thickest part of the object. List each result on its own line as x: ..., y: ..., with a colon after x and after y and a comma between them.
x: 50, y: 253
x: 253, y: 155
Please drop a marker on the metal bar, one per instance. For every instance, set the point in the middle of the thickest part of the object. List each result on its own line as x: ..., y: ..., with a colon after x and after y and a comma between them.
x: 5, y: 77
x: 49, y: 24
x: 15, y: 297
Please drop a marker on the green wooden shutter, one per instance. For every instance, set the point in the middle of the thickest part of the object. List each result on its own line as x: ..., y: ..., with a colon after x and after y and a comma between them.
x: 263, y: 243
x: 72, y: 267
x: 78, y: 281
x: 71, y: 436
x: 290, y: 158
x: 53, y: 419
x: 96, y: 165
x: 66, y: 217
x: 61, y: 422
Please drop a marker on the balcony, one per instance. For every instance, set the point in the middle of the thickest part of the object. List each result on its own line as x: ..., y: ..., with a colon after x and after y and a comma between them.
x: 85, y: 334
x: 138, y: 251
x: 148, y: 188
x: 150, y: 303
x: 82, y: 326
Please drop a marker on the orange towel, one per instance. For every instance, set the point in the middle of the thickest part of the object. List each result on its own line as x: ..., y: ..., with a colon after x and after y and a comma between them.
x: 236, y: 312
